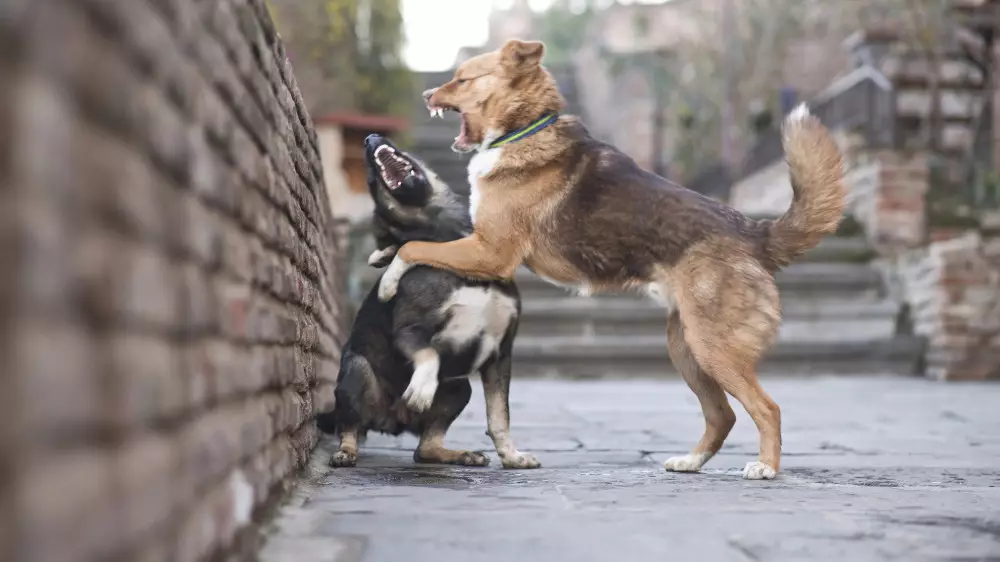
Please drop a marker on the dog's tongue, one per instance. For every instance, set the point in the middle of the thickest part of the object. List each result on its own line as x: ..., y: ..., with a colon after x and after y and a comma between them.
x: 462, y: 132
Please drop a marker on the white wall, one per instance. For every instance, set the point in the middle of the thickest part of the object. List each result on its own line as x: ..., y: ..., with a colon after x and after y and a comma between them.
x: 343, y: 203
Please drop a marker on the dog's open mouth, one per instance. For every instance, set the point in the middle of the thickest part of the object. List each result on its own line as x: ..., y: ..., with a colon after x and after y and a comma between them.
x: 392, y: 167
x: 463, y: 132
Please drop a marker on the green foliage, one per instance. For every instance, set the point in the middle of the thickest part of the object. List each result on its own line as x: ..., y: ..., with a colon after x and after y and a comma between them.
x: 563, y: 30
x: 353, y: 48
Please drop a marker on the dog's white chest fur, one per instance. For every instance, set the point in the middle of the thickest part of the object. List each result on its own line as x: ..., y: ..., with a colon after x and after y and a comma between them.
x: 476, y: 312
x: 481, y: 165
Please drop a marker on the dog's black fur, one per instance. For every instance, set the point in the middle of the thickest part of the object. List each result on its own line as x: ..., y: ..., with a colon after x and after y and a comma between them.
x: 389, y: 340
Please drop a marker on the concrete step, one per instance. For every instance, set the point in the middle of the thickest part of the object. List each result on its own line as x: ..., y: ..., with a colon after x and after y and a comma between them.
x: 814, y: 320
x: 611, y: 357
x: 845, y: 281
x: 826, y: 279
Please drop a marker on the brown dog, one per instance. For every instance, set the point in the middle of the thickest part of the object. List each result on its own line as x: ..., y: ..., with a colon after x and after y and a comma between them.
x: 581, y: 214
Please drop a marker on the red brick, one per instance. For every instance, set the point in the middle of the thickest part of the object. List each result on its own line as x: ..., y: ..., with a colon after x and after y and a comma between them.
x: 209, y: 446
x: 223, y: 365
x: 44, y: 248
x: 67, y: 496
x: 147, y: 384
x: 144, y: 288
x: 146, y: 474
x: 285, y: 367
x: 199, y: 234
x: 324, y: 399
x: 234, y: 302
x: 259, y: 471
x: 198, y: 533
x: 199, y: 302
x: 236, y: 254
x: 59, y: 383
x: 305, y: 373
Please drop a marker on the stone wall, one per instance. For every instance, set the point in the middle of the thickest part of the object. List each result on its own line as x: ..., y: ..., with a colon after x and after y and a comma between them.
x: 947, y: 279
x: 888, y: 191
x: 169, y: 307
x: 953, y: 290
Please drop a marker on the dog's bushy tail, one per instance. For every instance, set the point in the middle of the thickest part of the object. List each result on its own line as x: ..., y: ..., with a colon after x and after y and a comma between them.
x: 817, y: 173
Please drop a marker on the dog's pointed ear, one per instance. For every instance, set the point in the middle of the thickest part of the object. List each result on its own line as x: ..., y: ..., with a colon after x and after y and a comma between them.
x: 520, y: 55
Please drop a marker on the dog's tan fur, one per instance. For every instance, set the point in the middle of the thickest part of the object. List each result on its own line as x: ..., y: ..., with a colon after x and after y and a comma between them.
x: 578, y: 212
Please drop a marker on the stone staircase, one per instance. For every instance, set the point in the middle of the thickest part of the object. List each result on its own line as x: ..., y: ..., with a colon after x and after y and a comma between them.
x: 837, y: 320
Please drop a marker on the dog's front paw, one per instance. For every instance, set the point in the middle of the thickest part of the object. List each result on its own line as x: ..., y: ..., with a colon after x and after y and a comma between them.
x: 383, y: 257
x: 687, y: 463
x: 420, y: 397
x: 758, y: 471
x: 390, y: 279
x: 341, y: 459
x: 521, y: 460
x: 419, y: 394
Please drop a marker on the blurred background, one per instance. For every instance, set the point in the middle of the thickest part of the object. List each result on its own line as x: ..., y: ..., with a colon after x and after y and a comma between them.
x: 695, y: 90
x: 185, y: 220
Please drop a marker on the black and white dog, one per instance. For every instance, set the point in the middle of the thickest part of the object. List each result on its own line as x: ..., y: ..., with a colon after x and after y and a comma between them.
x: 406, y: 364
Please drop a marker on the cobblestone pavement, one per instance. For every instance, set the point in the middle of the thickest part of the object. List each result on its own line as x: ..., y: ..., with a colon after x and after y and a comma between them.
x: 874, y: 469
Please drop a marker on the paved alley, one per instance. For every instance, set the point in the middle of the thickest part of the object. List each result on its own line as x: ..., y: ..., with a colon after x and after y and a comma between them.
x: 873, y: 469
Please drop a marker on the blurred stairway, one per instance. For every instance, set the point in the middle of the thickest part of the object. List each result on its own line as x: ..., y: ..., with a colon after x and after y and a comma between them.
x: 837, y: 320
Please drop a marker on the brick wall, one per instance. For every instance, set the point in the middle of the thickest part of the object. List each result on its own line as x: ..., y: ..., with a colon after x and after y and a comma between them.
x: 953, y: 289
x: 947, y: 278
x: 888, y: 197
x: 169, y: 305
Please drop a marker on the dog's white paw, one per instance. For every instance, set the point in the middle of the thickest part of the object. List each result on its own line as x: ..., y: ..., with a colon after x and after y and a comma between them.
x: 758, y: 471
x: 688, y: 463
x: 390, y: 279
x: 520, y: 460
x: 419, y: 394
x: 378, y: 258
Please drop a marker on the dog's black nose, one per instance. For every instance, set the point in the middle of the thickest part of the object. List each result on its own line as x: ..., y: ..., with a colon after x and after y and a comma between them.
x: 373, y: 139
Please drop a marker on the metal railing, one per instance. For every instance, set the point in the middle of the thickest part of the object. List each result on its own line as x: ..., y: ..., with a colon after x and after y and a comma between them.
x: 862, y: 102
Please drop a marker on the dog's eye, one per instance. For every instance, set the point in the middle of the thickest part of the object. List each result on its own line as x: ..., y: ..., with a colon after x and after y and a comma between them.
x: 462, y: 80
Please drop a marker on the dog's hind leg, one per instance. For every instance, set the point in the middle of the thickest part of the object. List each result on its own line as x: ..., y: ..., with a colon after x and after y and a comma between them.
x: 730, y: 315
x: 356, y: 394
x: 719, y: 416
x: 347, y: 453
x: 496, y: 388
x: 452, y: 397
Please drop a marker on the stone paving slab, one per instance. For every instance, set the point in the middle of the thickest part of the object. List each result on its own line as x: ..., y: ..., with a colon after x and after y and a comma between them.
x: 874, y: 469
